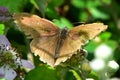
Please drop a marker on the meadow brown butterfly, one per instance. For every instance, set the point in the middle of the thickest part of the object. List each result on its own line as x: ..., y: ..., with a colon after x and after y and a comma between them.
x: 52, y: 44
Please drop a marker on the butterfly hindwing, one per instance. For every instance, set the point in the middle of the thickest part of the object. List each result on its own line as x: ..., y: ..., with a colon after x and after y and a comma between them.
x: 45, y: 47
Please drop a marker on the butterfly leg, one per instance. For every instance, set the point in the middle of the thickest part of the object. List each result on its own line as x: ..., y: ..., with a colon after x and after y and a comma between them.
x: 82, y: 52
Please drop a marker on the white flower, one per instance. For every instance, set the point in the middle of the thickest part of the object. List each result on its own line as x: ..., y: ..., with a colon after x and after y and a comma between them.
x: 114, y: 79
x: 112, y: 68
x: 97, y: 64
x: 89, y: 79
x: 103, y: 52
x: 113, y: 65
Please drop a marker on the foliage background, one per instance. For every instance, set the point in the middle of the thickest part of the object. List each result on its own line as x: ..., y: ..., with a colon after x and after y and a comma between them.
x: 68, y: 13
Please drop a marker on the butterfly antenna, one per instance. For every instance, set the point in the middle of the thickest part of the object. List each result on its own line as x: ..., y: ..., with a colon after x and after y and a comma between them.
x: 78, y: 23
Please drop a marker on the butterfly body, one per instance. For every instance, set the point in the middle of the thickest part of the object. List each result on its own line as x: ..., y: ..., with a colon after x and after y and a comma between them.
x: 52, y: 44
x: 61, y: 38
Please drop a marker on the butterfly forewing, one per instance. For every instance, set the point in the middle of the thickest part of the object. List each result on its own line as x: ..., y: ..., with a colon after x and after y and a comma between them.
x: 34, y: 25
x: 87, y: 32
x: 78, y: 36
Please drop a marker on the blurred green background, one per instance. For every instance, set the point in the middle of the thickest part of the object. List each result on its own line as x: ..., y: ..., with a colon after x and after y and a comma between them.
x: 71, y: 13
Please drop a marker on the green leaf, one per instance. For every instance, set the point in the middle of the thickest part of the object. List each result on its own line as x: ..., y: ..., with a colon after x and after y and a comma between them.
x: 40, y: 5
x: 112, y: 44
x: 83, y: 16
x: 93, y: 75
x: 2, y: 79
x: 41, y: 73
x: 55, y: 3
x: 78, y: 3
x: 63, y: 22
x: 76, y: 75
x: 91, y: 46
x: 93, y: 3
x: 14, y: 5
x: 97, y: 13
x: 107, y: 1
x: 34, y: 3
x: 2, y: 27
x: 105, y: 36
x: 51, y: 13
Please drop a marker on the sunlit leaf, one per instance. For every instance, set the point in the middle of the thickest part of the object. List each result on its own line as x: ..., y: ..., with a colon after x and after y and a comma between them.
x: 63, y: 22
x: 89, y: 3
x: 105, y: 36
x: 98, y: 14
x: 93, y: 75
x: 78, y: 3
x: 3, y: 79
x: 76, y: 75
x: 2, y: 28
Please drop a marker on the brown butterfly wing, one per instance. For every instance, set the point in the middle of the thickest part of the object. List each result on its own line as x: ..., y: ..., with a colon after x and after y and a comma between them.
x: 43, y: 32
x: 78, y: 36
x: 87, y: 31
x: 45, y: 48
x: 34, y: 25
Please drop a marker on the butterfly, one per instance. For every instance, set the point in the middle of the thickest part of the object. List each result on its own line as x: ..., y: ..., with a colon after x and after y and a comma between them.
x: 52, y: 44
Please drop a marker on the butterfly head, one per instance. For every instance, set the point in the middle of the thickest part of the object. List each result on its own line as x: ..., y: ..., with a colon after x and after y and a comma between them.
x: 64, y: 32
